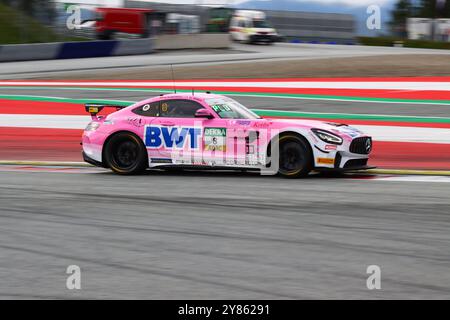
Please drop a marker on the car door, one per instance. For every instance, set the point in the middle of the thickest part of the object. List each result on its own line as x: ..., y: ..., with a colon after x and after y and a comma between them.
x: 181, y: 138
x: 145, y: 115
x: 241, y: 138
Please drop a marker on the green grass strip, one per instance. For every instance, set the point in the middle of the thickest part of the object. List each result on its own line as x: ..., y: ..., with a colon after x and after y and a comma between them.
x: 247, y: 94
x: 261, y: 112
x: 64, y: 100
x: 347, y: 116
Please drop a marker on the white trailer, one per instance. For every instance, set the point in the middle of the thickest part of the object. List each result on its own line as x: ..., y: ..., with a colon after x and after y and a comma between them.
x: 251, y: 26
x: 419, y: 28
x: 443, y: 30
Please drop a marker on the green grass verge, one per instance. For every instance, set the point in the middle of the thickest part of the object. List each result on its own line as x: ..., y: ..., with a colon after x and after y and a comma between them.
x: 390, y: 41
x: 264, y: 113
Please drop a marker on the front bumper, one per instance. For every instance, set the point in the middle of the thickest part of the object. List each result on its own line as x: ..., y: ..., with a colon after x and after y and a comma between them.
x: 343, y: 164
x: 94, y: 162
x: 344, y: 170
x: 351, y: 155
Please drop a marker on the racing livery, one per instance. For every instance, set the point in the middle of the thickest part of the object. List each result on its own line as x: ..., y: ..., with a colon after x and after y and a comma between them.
x: 205, y: 131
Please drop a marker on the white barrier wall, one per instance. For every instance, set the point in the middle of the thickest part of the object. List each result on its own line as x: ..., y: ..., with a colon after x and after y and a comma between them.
x: 22, y: 52
x: 91, y: 49
x: 75, y: 50
x: 193, y: 41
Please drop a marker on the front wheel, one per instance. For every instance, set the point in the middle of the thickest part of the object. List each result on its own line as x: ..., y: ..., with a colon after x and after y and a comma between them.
x: 295, y: 157
x: 125, y: 154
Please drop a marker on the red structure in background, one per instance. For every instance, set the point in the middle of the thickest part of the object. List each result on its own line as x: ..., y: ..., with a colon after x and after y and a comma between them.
x: 124, y: 20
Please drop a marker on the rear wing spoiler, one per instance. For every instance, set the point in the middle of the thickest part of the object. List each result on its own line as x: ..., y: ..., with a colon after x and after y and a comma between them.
x: 94, y: 108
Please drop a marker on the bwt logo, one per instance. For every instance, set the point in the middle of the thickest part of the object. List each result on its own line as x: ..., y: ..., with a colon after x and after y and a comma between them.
x: 74, y: 20
x: 155, y: 137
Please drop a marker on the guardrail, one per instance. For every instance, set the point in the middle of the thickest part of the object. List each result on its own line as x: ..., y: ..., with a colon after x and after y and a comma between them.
x: 92, y: 49
x: 74, y: 50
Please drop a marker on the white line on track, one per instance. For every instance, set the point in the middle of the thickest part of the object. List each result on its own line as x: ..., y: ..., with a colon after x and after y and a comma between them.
x: 406, y: 134
x: 381, y: 85
x: 343, y: 99
x: 437, y: 179
x: 402, y: 134
x: 56, y: 98
x: 330, y: 114
x: 44, y: 121
x: 242, y: 94
x: 379, y: 133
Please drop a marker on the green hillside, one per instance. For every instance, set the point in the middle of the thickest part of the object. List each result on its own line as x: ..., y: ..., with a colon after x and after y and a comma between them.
x: 16, y: 27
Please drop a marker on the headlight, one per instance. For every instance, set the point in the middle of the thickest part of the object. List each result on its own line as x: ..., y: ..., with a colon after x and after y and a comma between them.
x: 327, y: 137
x: 92, y: 126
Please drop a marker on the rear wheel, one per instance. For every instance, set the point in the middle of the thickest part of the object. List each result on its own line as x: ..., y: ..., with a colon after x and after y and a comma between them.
x: 295, y: 157
x: 126, y: 154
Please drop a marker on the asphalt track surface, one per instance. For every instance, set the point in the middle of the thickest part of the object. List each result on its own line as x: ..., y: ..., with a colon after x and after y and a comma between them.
x: 287, y: 104
x: 191, y: 235
x: 222, y: 236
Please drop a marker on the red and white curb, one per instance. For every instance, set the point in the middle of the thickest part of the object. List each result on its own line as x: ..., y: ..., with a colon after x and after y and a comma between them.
x: 379, y: 133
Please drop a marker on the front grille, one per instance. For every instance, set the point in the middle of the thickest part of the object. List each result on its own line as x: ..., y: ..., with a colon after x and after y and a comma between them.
x: 355, y: 163
x: 361, y: 145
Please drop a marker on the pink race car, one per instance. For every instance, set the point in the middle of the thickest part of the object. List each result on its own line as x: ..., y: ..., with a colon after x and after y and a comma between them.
x: 209, y: 131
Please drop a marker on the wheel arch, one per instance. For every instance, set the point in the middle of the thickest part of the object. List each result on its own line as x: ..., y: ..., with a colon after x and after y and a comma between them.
x: 116, y: 133
x: 293, y: 133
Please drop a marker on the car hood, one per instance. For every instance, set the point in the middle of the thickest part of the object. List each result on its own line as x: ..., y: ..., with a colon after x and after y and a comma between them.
x: 337, y: 128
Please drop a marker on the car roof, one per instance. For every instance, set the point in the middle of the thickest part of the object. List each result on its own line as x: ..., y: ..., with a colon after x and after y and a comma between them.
x: 200, y: 96
x: 190, y: 95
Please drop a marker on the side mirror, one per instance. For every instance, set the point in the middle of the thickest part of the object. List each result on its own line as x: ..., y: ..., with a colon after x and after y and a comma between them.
x: 203, y: 113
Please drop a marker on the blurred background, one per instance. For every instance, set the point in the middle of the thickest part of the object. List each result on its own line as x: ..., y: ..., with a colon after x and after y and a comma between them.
x: 412, y: 23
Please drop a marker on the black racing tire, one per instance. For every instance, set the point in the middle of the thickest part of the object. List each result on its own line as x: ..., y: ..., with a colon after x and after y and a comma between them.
x: 125, y: 154
x: 295, y: 157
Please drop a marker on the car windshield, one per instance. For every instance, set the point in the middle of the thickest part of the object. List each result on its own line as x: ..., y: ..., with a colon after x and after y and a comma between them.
x: 227, y: 108
x: 261, y: 24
